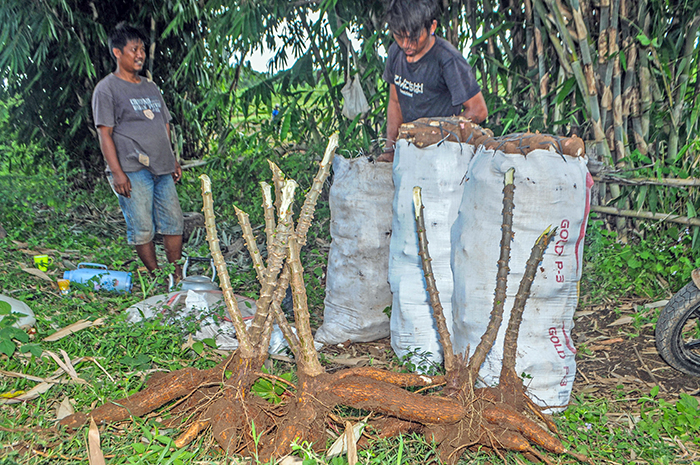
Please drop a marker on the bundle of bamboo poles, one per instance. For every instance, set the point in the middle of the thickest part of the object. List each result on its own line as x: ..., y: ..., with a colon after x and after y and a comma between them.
x: 620, y: 73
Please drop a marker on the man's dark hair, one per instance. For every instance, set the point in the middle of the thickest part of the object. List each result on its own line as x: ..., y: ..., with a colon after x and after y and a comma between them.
x: 411, y: 17
x: 122, y: 34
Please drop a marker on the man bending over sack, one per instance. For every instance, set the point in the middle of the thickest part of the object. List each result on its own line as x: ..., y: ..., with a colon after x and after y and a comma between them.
x: 427, y: 76
x: 133, y: 125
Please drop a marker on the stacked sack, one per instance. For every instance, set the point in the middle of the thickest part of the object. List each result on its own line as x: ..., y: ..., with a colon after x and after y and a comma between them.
x: 357, y: 291
x: 552, y: 187
x: 432, y: 153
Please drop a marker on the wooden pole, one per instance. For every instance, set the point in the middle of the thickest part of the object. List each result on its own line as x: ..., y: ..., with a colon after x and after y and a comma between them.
x: 647, y: 215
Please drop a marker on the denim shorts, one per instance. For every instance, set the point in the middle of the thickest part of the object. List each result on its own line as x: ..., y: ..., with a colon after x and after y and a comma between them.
x: 152, y: 208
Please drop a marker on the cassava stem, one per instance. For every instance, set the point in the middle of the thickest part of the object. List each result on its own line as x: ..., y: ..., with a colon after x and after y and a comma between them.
x: 245, y: 348
x: 276, y: 308
x: 430, y: 284
x: 276, y: 254
x: 250, y: 243
x: 307, y: 210
x: 278, y: 181
x: 269, y: 211
x: 510, y: 341
x: 489, y: 336
x: 308, y: 357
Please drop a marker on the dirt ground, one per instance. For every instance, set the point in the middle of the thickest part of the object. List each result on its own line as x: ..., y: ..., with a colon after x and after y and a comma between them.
x: 613, y: 351
x: 616, y: 359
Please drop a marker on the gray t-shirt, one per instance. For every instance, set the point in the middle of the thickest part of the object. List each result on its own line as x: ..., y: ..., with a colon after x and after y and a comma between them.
x: 436, y: 85
x: 138, y: 116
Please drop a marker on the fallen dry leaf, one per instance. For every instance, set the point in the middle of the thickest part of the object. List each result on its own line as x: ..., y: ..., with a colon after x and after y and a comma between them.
x: 351, y: 362
x: 33, y: 393
x: 74, y: 328
x: 188, y: 344
x: 95, y: 456
x: 351, y: 443
x: 38, y: 273
x: 291, y: 460
x: 64, y: 409
x: 66, y: 365
x: 625, y: 320
x: 602, y: 345
x: 340, y: 446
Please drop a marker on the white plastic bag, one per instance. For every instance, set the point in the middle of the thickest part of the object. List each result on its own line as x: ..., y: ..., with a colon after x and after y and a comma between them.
x: 357, y: 288
x: 355, y: 103
x: 439, y: 171
x: 550, y: 189
x: 27, y: 320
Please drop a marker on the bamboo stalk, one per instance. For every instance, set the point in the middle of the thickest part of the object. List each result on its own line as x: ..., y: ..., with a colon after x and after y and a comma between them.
x: 489, y: 336
x: 628, y: 89
x: 250, y: 243
x: 490, y: 48
x: 670, y: 182
x: 644, y: 79
x: 554, y: 40
x: 430, y: 284
x: 244, y: 345
x: 617, y: 114
x: 681, y: 84
x: 647, y: 215
x: 561, y: 77
x: 590, y: 89
x: 530, y: 47
x: 606, y: 102
x: 541, y: 67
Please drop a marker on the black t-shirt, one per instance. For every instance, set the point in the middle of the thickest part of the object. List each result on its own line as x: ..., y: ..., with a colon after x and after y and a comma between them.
x: 436, y: 85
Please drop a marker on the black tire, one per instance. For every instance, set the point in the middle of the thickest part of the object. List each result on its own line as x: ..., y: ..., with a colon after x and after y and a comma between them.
x: 678, y: 331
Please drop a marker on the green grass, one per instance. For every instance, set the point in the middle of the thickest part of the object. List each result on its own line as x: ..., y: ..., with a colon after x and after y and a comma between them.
x: 41, y: 212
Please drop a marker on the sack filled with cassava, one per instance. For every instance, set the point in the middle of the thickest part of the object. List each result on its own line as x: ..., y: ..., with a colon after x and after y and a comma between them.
x: 357, y: 291
x: 552, y: 187
x: 433, y: 154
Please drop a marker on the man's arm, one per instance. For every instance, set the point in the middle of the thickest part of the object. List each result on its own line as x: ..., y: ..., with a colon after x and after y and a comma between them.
x: 475, y: 109
x: 120, y: 180
x: 394, y: 119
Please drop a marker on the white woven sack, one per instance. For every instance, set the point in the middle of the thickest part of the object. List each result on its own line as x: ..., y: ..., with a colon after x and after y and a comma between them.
x: 550, y: 189
x: 439, y: 171
x: 357, y: 291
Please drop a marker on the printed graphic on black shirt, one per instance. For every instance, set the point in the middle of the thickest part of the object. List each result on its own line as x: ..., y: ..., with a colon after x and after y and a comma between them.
x: 406, y: 87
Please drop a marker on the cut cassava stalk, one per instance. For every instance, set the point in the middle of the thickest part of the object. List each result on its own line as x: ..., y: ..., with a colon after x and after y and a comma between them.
x: 276, y: 254
x: 244, y: 345
x: 276, y: 308
x: 278, y: 181
x: 250, y: 243
x: 430, y: 284
x: 510, y: 341
x: 269, y: 211
x: 489, y: 336
x: 511, y: 384
x: 307, y: 210
x: 308, y: 357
